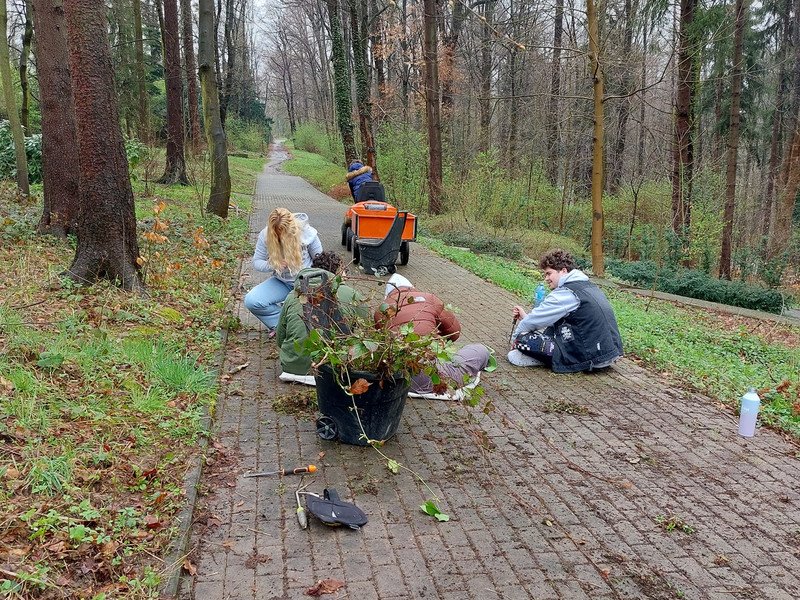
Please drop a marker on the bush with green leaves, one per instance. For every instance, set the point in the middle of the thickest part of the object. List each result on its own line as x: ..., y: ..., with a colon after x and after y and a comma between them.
x: 695, y: 283
x: 312, y: 137
x: 8, y: 160
x: 246, y: 136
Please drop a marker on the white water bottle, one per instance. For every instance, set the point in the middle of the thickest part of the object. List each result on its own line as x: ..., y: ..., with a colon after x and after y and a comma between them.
x: 749, y: 413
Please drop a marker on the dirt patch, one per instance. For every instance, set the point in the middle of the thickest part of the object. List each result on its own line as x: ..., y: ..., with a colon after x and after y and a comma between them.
x: 299, y: 402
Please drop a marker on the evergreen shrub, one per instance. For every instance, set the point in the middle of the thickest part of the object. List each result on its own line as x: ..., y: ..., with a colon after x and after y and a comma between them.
x: 8, y: 161
x: 694, y: 283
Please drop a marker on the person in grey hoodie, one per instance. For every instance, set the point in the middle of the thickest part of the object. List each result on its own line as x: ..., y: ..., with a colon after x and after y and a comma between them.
x: 287, y: 245
x: 573, y: 329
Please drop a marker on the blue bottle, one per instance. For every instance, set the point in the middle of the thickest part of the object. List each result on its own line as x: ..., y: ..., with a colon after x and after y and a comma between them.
x: 538, y: 295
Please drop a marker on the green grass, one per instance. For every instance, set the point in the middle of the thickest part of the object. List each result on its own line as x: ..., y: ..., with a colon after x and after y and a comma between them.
x: 318, y: 171
x: 689, y: 345
x: 102, y: 393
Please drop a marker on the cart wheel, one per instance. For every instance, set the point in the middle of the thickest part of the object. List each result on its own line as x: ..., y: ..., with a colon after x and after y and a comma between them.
x: 356, y: 251
x: 350, y: 236
x: 405, y: 250
x: 326, y: 428
x: 344, y: 234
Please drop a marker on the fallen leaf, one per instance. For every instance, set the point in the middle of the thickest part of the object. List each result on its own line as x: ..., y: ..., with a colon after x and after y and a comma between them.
x: 238, y: 368
x: 228, y: 545
x: 547, y: 522
x: 109, y: 548
x: 325, y: 586
x: 6, y: 386
x: 604, y: 573
x: 190, y: 567
x: 634, y: 460
x: 152, y: 522
x: 321, y: 455
x: 359, y: 387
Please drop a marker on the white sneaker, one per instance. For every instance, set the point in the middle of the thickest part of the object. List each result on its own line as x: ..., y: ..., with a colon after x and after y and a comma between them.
x: 518, y: 359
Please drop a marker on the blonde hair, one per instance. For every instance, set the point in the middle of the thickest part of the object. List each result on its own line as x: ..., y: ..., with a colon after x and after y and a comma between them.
x: 283, y: 240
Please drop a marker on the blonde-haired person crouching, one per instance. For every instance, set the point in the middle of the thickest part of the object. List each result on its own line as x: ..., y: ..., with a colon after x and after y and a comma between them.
x: 287, y: 245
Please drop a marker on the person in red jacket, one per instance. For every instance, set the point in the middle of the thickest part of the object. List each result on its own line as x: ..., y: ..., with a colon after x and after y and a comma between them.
x: 426, y: 311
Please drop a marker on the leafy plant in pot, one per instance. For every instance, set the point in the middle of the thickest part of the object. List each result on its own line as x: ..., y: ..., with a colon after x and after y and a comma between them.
x: 363, y: 368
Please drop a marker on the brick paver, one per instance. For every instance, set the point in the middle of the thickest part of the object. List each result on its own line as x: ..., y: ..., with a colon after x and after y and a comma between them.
x: 543, y: 504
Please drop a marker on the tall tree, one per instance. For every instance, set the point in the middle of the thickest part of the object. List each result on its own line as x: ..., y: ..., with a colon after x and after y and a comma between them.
x: 359, y: 32
x: 614, y: 178
x: 175, y: 169
x: 598, y: 264
x: 220, y: 195
x: 733, y: 142
x: 11, y: 108
x: 190, y: 68
x: 486, y: 68
x: 106, y: 228
x: 141, y: 83
x: 23, y: 63
x: 432, y: 108
x: 341, y: 82
x: 555, y: 91
x: 683, y: 157
x: 60, y: 177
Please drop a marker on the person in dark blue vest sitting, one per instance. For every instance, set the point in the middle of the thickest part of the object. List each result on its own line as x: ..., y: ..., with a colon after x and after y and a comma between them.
x: 357, y: 175
x: 573, y: 329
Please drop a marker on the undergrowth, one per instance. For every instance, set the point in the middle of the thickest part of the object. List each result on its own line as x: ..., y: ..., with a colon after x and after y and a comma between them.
x: 103, y: 393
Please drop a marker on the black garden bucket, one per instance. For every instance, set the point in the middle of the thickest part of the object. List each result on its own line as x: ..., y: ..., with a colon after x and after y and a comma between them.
x: 379, y: 408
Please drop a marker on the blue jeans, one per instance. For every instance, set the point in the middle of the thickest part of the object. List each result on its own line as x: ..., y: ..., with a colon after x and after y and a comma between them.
x: 266, y: 300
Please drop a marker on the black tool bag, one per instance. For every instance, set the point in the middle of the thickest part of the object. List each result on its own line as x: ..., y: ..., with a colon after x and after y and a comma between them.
x: 332, y: 510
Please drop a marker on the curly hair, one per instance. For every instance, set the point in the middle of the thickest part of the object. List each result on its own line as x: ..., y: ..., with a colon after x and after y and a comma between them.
x: 330, y: 261
x: 283, y: 240
x: 557, y: 259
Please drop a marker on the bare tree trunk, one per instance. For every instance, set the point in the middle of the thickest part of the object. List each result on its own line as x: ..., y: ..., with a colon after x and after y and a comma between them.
x: 450, y: 47
x: 60, y: 177
x: 175, y: 170
x: 616, y: 164
x: 778, y: 121
x: 376, y: 42
x: 141, y: 82
x: 784, y: 207
x: 107, y: 244
x: 430, y: 51
x: 682, y: 164
x: 555, y: 90
x: 342, y: 90
x: 220, y: 194
x: 598, y: 265
x: 363, y: 102
x: 190, y: 66
x: 484, y: 143
x: 733, y: 143
x: 642, y: 104
x: 11, y: 108
x: 23, y: 63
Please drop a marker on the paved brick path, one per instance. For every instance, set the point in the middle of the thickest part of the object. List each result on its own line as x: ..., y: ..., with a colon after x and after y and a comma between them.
x: 555, y: 494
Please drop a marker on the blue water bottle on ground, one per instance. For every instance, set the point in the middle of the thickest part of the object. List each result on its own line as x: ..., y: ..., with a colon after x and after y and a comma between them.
x: 538, y: 295
x: 749, y: 413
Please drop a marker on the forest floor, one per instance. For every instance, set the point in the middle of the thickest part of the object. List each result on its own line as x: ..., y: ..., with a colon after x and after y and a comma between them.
x: 620, y: 484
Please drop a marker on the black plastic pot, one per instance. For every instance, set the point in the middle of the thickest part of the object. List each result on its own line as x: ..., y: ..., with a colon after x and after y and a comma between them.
x: 379, y: 408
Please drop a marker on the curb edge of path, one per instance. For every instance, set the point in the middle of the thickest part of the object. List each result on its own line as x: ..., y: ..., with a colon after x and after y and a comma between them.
x: 173, y: 563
